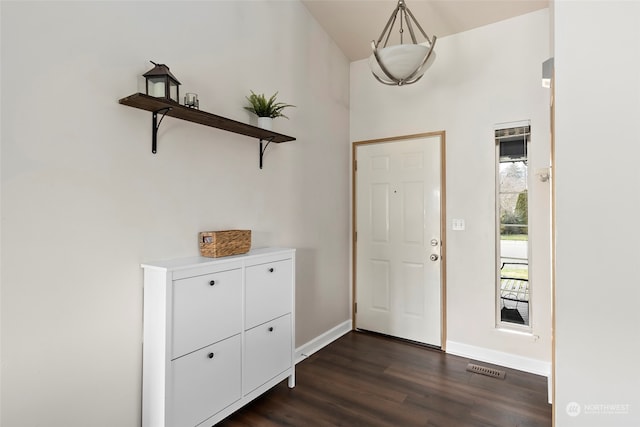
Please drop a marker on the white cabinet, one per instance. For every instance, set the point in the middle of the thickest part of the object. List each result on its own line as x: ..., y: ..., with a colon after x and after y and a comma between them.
x: 217, y: 334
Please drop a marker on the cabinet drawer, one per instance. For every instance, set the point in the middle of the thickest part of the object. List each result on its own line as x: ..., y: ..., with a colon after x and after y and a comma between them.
x: 268, y: 352
x: 205, y: 382
x: 268, y: 292
x: 206, y: 309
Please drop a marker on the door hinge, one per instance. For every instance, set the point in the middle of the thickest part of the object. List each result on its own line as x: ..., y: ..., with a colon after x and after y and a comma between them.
x: 355, y: 308
x: 355, y: 165
x: 355, y: 236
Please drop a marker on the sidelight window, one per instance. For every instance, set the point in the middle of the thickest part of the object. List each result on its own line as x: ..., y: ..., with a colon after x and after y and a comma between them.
x: 513, y: 288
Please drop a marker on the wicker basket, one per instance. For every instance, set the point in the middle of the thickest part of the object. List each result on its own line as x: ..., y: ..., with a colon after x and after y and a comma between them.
x: 214, y: 244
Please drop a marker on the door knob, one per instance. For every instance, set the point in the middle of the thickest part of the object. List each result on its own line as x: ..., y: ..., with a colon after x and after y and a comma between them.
x: 434, y: 242
x: 433, y: 257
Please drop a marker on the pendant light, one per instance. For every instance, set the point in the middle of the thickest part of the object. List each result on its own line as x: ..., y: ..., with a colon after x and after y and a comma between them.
x: 401, y: 64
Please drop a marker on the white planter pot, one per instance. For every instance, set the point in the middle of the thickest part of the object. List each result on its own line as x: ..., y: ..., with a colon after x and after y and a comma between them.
x: 265, y: 123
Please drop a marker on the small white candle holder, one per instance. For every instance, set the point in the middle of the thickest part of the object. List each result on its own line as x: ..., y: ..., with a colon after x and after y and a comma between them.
x: 191, y: 100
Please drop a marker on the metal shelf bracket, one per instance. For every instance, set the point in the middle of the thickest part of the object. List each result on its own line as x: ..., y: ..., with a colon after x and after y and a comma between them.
x: 262, y: 150
x: 155, y: 124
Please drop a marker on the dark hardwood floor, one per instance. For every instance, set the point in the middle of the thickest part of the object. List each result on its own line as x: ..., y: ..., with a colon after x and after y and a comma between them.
x: 365, y: 379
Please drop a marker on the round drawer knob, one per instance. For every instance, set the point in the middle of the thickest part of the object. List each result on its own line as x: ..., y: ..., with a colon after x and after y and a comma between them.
x: 211, y: 283
x: 271, y: 270
x: 270, y: 328
x: 210, y: 355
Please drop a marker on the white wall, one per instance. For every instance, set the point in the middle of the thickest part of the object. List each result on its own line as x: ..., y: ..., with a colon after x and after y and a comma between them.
x: 597, y: 58
x: 84, y: 201
x: 481, y: 77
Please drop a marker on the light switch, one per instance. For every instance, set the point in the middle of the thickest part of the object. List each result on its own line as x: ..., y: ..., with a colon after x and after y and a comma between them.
x: 458, y: 225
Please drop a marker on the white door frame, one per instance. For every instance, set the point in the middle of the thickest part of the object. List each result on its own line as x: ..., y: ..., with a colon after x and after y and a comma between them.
x: 443, y: 224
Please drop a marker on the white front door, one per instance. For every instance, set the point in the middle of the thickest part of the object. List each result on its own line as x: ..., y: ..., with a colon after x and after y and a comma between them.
x: 398, y: 195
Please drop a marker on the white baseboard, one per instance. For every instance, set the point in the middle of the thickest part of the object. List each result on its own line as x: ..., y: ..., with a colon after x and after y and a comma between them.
x: 306, y: 350
x: 507, y: 360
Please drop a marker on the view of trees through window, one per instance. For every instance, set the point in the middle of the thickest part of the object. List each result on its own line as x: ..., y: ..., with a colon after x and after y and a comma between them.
x: 513, y: 237
x: 514, y: 210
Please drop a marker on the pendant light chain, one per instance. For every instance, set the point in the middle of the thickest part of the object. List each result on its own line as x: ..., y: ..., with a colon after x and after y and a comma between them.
x: 402, y: 14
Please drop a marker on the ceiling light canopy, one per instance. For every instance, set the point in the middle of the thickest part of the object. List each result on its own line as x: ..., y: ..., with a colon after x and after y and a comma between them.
x: 401, y: 64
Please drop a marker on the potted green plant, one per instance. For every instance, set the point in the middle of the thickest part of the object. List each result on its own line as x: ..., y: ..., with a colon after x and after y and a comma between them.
x: 266, y: 109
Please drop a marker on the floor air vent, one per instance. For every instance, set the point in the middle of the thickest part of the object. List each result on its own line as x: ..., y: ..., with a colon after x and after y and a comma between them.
x: 483, y: 370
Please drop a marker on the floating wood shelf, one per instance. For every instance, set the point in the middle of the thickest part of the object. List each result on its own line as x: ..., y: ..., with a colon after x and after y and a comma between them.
x: 173, y: 109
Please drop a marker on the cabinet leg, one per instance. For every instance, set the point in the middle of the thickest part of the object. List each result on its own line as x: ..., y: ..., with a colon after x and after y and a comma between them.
x: 292, y: 380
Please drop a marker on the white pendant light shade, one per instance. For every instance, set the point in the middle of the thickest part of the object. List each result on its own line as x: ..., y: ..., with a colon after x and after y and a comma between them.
x: 403, y: 62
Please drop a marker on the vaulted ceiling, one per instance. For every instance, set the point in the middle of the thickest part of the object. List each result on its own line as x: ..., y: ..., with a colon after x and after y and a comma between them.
x: 353, y: 24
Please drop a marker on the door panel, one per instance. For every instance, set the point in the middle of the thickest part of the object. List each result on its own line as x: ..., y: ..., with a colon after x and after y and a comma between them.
x: 380, y: 285
x: 380, y: 212
x: 398, y: 214
x: 413, y: 289
x: 413, y: 213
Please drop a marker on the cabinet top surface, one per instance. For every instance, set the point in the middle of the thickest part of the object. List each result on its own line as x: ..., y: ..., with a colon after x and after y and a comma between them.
x: 198, y: 261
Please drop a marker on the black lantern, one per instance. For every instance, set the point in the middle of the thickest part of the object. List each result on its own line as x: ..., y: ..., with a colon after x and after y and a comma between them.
x: 161, y: 83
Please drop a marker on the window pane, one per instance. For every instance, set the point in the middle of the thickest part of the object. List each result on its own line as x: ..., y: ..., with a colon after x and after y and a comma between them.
x: 513, y: 234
